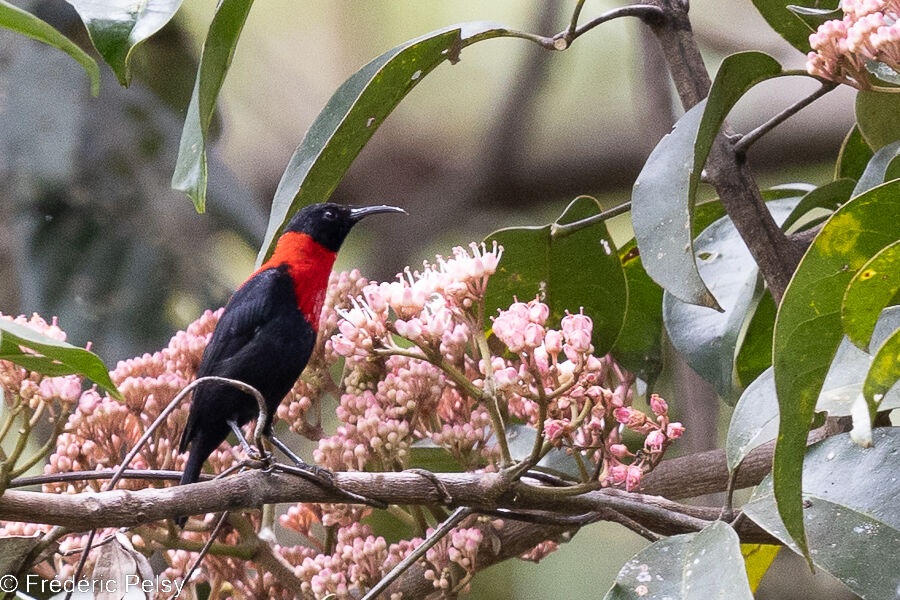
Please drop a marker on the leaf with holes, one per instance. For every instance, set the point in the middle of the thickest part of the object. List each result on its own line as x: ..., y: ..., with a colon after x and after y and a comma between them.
x: 569, y: 271
x: 691, y: 566
x: 808, y: 328
x: 23, y: 22
x: 117, y: 27
x: 850, y: 511
x: 872, y: 288
x: 221, y: 41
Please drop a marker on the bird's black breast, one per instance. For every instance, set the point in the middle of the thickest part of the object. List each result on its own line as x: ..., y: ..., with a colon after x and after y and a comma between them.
x: 262, y: 339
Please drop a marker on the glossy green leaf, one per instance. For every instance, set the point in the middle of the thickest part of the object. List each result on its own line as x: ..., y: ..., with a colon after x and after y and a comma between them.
x: 691, y: 566
x: 662, y: 203
x: 68, y: 358
x: 117, y: 27
x: 878, y: 167
x: 854, y: 155
x: 425, y: 454
x: 786, y: 23
x: 754, y: 420
x: 808, y: 328
x: 829, y: 196
x: 876, y: 115
x: 843, y: 384
x: 568, y: 271
x: 708, y: 339
x: 353, y: 114
x: 638, y: 347
x: 851, y: 512
x: 557, y: 461
x: 25, y: 23
x: 758, y: 558
x: 218, y: 50
x: 755, y: 354
x: 813, y: 17
x: 885, y: 371
x: 883, y: 71
x: 872, y: 288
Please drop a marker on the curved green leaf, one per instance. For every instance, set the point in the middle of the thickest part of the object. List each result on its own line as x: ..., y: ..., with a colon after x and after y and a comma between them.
x: 57, y: 358
x: 754, y: 420
x: 872, y: 288
x: 568, y: 269
x: 876, y: 115
x: 663, y: 197
x: 829, y: 196
x: 884, y: 372
x: 21, y: 21
x: 808, y: 328
x: 705, y: 338
x: 707, y: 212
x: 190, y: 174
x: 877, y: 168
x: 850, y: 511
x: 116, y: 27
x: 854, y: 155
x: 691, y: 566
x: 813, y: 17
x: 353, y: 114
x: 755, y: 355
x: 785, y: 22
x: 638, y: 347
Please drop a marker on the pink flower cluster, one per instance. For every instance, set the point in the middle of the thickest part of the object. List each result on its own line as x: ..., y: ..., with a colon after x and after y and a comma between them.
x: 842, y: 48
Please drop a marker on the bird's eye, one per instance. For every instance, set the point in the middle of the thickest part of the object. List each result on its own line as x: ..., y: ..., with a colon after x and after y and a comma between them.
x: 330, y: 215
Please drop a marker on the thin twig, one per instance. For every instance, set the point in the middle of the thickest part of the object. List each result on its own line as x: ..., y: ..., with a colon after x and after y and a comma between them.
x: 561, y: 231
x: 573, y: 23
x: 645, y: 12
x: 203, y: 551
x: 742, y: 145
x: 452, y: 521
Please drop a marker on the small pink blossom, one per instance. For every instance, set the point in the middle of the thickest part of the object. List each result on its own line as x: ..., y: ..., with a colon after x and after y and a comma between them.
x: 674, y: 431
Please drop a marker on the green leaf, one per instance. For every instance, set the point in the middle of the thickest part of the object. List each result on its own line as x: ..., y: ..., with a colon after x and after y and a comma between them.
x: 707, y: 212
x: 353, y: 114
x: 20, y: 21
x: 691, y: 566
x: 755, y: 355
x: 877, y: 168
x: 68, y: 358
x: 786, y: 23
x: 758, y: 558
x: 638, y: 347
x: 851, y: 511
x: 872, y: 288
x: 813, y: 17
x: 844, y: 382
x: 754, y: 420
x: 218, y: 50
x: 883, y: 71
x: 808, y: 328
x: 557, y: 461
x: 854, y: 155
x: 425, y: 454
x: 705, y: 338
x: 829, y: 196
x: 884, y: 372
x: 876, y: 116
x: 663, y: 197
x: 567, y: 269
x: 117, y: 27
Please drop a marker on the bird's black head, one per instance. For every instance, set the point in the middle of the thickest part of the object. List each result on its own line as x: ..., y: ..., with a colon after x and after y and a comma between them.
x: 328, y: 223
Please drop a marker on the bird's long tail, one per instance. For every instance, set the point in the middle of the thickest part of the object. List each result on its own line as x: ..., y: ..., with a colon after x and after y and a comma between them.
x: 201, y: 448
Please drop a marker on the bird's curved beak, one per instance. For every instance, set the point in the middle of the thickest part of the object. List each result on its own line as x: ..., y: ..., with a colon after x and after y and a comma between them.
x: 361, y: 212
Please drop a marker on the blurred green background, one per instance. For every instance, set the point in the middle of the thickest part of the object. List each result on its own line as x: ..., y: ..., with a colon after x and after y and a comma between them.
x: 90, y: 231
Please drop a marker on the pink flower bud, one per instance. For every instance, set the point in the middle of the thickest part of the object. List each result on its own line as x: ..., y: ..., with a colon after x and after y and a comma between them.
x: 619, y: 450
x: 658, y: 405
x: 618, y: 473
x: 553, y: 342
x: 538, y: 312
x: 580, y: 340
x: 655, y: 440
x: 534, y: 335
x: 674, y: 431
x: 633, y: 478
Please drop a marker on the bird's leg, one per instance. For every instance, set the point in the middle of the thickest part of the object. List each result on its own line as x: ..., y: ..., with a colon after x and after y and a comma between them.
x: 254, y: 453
x: 324, y: 475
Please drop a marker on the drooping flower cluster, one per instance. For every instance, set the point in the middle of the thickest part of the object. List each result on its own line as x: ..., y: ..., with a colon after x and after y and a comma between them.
x: 419, y: 371
x: 845, y: 50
